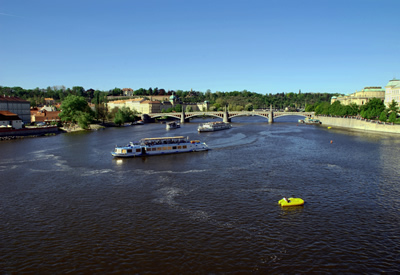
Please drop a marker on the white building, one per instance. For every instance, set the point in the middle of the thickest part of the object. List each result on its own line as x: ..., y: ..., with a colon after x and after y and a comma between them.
x: 8, y: 119
x: 392, y: 91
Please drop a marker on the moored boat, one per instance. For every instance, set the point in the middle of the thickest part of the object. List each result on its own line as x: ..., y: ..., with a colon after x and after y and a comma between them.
x: 159, y: 146
x: 172, y: 125
x: 214, y: 126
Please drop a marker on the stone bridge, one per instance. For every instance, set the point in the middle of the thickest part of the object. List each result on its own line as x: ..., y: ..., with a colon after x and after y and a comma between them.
x: 227, y: 116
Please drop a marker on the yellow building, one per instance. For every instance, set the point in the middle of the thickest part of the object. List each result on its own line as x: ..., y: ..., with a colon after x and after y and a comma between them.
x: 148, y: 107
x: 361, y: 97
x: 392, y: 92
x: 133, y: 104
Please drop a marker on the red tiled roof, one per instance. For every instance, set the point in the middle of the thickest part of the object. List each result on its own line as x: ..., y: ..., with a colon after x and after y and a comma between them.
x: 7, y: 115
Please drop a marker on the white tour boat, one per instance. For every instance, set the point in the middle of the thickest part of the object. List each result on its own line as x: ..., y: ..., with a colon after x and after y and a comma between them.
x: 214, y: 126
x: 172, y: 125
x: 159, y: 146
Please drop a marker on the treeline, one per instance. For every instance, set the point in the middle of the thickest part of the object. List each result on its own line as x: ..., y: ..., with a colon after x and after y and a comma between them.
x: 374, y: 109
x: 235, y: 100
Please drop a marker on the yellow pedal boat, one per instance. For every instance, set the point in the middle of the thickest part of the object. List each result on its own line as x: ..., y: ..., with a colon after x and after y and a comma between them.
x: 291, y: 202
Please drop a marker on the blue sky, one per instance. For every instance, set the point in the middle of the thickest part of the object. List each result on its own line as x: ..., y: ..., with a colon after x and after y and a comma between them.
x: 264, y: 46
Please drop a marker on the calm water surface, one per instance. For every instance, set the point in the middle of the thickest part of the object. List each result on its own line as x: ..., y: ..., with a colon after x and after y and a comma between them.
x: 66, y: 206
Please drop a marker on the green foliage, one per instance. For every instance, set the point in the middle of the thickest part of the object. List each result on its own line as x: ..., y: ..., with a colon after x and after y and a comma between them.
x: 248, y: 107
x: 84, y: 120
x: 322, y: 108
x: 392, y: 117
x: 189, y: 109
x: 393, y: 107
x: 372, y: 109
x: 178, y: 108
x: 73, y: 108
x: 123, y: 115
x: 383, y: 116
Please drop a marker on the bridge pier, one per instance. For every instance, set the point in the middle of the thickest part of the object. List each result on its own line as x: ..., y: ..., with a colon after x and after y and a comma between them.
x: 183, y: 116
x: 226, y: 116
x: 270, y: 115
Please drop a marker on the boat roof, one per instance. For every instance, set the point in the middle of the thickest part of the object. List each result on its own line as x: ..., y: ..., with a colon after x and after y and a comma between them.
x: 158, y: 138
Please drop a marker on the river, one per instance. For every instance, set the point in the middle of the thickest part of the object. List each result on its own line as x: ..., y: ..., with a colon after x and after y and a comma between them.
x: 68, y: 207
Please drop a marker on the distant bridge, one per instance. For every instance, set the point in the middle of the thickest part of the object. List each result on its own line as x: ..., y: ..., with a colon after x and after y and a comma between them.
x: 227, y: 116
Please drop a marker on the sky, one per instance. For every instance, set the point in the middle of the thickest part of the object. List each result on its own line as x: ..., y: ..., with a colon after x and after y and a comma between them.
x: 263, y: 46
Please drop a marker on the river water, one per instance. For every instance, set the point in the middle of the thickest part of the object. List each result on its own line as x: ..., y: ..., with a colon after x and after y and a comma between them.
x: 67, y: 206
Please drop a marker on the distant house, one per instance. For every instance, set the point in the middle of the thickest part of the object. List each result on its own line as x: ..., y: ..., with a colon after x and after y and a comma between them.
x: 8, y: 119
x: 127, y: 91
x: 45, y: 116
x: 49, y: 101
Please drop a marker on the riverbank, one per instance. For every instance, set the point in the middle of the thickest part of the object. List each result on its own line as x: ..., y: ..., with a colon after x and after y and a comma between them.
x: 77, y: 128
x: 359, y: 124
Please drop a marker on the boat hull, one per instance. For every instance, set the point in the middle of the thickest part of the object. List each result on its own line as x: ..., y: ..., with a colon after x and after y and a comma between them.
x: 160, y: 146
x: 214, y: 126
x: 292, y: 202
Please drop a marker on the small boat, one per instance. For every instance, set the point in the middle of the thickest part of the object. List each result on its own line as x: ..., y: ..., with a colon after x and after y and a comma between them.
x: 214, y: 126
x: 291, y: 202
x: 310, y: 121
x: 159, y: 146
x: 172, y: 125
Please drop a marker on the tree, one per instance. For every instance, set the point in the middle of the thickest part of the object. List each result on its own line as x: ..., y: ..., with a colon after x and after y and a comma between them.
x: 383, y: 116
x: 372, y: 109
x: 392, y: 117
x: 75, y: 109
x: 393, y: 106
x: 123, y: 115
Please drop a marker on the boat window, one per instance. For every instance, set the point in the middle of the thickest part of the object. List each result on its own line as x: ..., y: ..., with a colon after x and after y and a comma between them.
x: 169, y: 148
x: 164, y: 148
x: 159, y: 149
x: 129, y: 150
x: 179, y: 147
x: 153, y: 149
x: 137, y: 150
x: 184, y: 146
x: 173, y: 147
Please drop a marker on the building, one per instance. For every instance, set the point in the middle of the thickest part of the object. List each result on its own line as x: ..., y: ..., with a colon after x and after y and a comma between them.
x: 361, y: 97
x: 127, y: 91
x: 133, y: 104
x: 9, y: 119
x: 17, y: 106
x: 392, y: 91
x: 49, y: 101
x: 45, y: 116
x: 148, y: 107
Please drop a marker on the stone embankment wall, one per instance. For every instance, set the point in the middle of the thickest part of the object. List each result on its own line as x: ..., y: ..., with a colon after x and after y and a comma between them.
x: 359, y: 124
x: 28, y: 131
